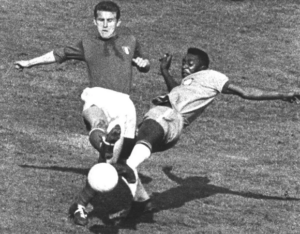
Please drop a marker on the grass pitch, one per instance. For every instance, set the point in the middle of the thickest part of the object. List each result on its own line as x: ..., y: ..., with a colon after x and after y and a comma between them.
x: 235, y: 170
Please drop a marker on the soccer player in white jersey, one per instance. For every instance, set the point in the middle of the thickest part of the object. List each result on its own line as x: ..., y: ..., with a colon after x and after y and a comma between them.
x: 163, y: 124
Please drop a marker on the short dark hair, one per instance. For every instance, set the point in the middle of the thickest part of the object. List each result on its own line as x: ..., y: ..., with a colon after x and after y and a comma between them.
x: 107, y: 6
x: 202, y: 55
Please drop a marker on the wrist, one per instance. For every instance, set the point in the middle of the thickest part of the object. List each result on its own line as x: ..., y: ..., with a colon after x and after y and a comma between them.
x: 289, y: 95
x: 164, y: 69
x: 30, y: 63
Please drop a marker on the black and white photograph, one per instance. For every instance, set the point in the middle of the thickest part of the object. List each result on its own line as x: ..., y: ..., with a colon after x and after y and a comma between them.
x: 155, y: 116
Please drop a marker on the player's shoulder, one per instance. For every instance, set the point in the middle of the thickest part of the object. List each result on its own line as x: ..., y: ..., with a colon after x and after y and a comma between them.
x: 126, y: 33
x: 213, y: 74
x: 90, y: 37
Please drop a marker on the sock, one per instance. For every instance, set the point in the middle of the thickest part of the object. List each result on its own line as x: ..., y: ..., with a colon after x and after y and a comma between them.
x: 139, y: 154
x: 116, y: 152
x: 133, y: 187
x: 138, y: 191
x: 140, y: 194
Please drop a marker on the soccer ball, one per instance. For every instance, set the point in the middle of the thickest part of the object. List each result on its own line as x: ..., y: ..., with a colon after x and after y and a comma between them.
x: 103, y: 177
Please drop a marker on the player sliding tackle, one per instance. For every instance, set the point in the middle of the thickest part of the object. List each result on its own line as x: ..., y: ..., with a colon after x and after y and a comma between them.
x: 163, y: 124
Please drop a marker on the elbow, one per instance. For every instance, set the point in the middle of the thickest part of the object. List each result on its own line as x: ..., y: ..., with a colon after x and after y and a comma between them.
x: 244, y: 96
x: 172, y: 86
x: 250, y: 96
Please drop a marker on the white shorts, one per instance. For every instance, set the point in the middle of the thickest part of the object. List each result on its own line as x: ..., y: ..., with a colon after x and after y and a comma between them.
x: 170, y: 120
x: 118, y: 108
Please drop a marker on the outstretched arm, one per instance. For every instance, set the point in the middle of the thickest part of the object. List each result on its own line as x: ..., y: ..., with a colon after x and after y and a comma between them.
x: 259, y: 94
x: 165, y: 63
x: 44, y: 59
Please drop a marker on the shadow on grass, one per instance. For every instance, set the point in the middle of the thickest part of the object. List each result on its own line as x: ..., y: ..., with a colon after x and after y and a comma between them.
x: 128, y: 224
x: 188, y: 189
x: 196, y: 187
x: 103, y: 204
x: 82, y: 171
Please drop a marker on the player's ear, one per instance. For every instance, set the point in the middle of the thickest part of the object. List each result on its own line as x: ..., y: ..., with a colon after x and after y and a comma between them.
x: 95, y: 23
x: 119, y: 23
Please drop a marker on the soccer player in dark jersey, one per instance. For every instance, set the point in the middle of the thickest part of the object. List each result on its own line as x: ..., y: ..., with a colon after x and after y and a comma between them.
x: 110, y: 56
x: 162, y: 125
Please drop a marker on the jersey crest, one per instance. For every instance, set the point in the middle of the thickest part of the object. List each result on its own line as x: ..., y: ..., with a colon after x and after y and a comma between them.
x: 126, y: 49
x: 188, y: 81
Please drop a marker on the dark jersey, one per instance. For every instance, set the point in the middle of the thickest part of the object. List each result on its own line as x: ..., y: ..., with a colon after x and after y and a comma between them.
x: 109, y: 62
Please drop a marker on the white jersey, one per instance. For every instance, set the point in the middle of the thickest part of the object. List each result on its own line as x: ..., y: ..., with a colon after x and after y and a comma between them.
x: 118, y: 108
x: 195, y: 93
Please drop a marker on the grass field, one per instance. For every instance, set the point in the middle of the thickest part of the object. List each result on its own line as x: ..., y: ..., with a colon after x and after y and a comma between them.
x: 235, y: 170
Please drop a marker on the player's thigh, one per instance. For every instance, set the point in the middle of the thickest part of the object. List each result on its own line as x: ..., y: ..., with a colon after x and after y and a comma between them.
x: 94, y: 117
x: 125, y: 117
x: 170, y: 121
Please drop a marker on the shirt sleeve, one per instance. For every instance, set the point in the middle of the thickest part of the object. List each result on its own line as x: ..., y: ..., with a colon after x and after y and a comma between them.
x: 225, y: 86
x: 219, y: 80
x: 138, y: 51
x: 69, y: 52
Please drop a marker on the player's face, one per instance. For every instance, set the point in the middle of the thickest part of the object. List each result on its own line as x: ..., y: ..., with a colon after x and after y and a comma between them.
x: 190, y: 65
x: 107, y: 23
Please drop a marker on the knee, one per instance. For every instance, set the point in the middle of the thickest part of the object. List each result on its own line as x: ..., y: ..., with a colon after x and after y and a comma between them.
x: 151, y: 134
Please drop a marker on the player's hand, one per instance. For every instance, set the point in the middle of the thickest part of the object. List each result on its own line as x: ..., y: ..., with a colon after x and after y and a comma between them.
x: 293, y: 97
x: 165, y: 61
x: 297, y: 97
x: 21, y: 64
x: 167, y: 169
x: 141, y: 63
x: 125, y: 171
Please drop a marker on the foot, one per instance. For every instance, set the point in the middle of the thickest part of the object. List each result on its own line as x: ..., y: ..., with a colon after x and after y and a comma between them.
x: 95, y: 138
x: 136, y: 210
x: 125, y: 171
x: 79, y: 214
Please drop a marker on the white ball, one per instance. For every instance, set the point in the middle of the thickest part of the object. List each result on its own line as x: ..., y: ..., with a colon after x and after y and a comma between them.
x: 103, y: 177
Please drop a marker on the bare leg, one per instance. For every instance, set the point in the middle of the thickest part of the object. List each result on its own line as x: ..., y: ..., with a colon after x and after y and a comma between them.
x: 96, y: 122
x: 99, y: 139
x: 139, y: 154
